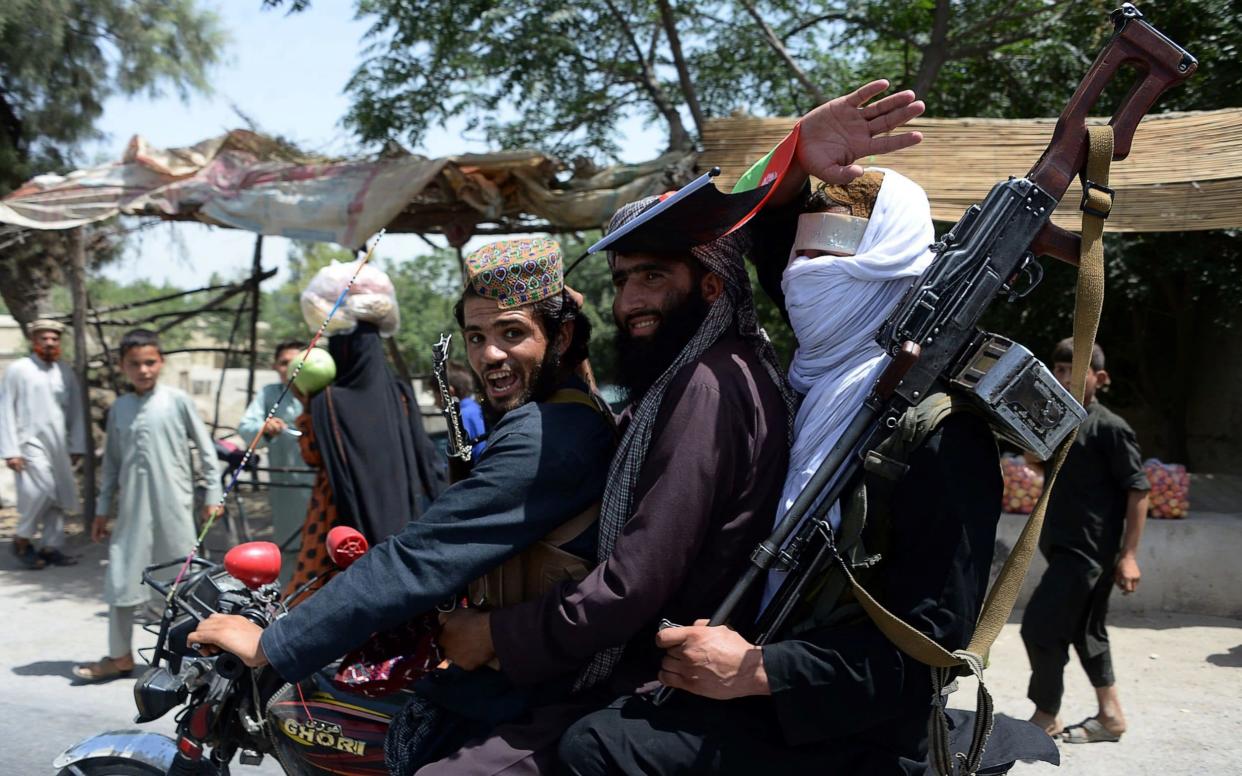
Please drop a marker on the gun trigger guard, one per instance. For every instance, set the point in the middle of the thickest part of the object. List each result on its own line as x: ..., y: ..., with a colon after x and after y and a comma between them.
x: 1033, y: 271
x: 1092, y: 203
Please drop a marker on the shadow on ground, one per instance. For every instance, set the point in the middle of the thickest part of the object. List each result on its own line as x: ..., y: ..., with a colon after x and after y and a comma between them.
x: 1230, y: 659
x: 62, y: 668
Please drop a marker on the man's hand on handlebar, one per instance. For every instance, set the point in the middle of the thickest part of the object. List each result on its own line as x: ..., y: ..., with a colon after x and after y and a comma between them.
x: 229, y: 633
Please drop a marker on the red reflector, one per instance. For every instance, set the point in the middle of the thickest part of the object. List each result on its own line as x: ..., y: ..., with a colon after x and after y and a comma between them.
x: 200, y: 722
x: 189, y: 748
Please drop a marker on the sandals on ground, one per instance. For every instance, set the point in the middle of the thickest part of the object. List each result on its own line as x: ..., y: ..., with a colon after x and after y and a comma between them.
x: 28, y: 557
x: 55, y: 557
x: 105, y: 670
x: 1089, y: 731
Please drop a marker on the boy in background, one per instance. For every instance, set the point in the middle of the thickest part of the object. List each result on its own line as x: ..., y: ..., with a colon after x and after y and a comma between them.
x: 1090, y: 539
x: 288, y: 493
x: 147, y: 459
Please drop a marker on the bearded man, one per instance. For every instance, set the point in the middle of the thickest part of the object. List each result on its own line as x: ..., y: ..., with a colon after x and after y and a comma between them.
x: 830, y: 693
x: 691, y: 491
x: 41, y: 435
x: 542, y: 472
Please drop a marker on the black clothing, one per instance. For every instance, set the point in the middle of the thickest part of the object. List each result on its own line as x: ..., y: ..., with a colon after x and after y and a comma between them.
x: 1087, y: 509
x: 544, y: 464
x: 1081, y: 539
x: 693, y: 735
x: 380, y: 462
x: 1068, y: 607
x: 844, y: 696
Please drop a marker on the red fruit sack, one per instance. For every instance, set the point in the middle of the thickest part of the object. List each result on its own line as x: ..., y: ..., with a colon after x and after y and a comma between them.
x: 1023, y: 484
x: 1170, y: 489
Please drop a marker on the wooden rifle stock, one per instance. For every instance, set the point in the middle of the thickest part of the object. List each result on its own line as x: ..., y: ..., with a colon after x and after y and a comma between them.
x: 1159, y: 63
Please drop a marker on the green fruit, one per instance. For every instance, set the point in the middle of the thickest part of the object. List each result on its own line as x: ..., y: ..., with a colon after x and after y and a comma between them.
x: 316, y: 374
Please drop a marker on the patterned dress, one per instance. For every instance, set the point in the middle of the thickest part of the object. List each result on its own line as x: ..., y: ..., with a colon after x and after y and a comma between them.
x: 321, y: 516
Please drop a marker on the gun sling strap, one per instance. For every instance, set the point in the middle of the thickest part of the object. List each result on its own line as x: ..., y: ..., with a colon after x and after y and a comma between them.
x: 1088, y: 302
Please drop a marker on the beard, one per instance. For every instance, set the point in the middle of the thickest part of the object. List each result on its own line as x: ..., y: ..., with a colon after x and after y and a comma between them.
x: 49, y: 353
x: 641, y: 360
x: 543, y: 381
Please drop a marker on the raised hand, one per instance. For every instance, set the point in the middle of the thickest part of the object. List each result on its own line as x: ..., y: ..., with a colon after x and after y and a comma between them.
x: 840, y: 132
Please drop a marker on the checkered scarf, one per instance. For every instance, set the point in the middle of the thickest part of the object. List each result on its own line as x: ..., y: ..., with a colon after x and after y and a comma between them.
x: 735, y: 308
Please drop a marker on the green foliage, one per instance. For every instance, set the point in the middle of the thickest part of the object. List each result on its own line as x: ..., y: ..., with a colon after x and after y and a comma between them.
x: 558, y: 75
x: 61, y: 59
x: 427, y: 288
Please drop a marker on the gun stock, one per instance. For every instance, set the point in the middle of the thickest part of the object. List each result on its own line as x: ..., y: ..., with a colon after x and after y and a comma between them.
x: 1160, y: 64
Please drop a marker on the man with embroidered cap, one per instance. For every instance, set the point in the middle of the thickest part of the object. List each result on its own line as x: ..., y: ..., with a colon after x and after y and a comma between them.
x: 41, y: 435
x: 544, y: 468
x: 691, y: 490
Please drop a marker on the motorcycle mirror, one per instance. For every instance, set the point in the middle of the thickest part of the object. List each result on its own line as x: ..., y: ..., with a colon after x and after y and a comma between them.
x: 346, y: 545
x: 254, y: 564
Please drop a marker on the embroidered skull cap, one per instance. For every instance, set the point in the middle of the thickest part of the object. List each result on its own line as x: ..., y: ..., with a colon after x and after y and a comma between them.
x: 516, y: 272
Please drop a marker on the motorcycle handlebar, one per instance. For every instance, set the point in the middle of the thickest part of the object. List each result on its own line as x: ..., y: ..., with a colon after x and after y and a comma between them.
x: 163, y: 587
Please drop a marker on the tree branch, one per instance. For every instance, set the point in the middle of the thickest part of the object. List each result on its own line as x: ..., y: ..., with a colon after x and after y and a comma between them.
x: 783, y: 53
x: 936, y: 52
x: 837, y: 16
x: 678, y: 138
x: 1005, y: 15
x: 679, y: 61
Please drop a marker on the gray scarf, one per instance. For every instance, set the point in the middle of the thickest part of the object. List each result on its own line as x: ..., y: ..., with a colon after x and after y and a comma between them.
x: 734, y: 309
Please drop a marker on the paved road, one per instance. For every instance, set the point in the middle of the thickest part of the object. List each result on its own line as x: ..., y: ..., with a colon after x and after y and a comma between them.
x: 1180, y: 678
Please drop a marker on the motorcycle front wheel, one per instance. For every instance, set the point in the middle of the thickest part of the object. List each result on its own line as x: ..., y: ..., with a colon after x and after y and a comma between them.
x: 105, y: 766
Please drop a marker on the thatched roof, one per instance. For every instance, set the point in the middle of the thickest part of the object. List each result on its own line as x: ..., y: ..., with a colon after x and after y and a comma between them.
x: 1184, y: 172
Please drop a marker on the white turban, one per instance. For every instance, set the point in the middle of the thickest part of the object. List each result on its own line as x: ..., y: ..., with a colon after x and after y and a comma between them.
x: 836, y: 304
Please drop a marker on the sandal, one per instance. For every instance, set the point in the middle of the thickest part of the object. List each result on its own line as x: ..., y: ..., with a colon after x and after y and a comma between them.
x: 55, y: 557
x: 1089, y: 731
x: 103, y: 671
x: 28, y: 557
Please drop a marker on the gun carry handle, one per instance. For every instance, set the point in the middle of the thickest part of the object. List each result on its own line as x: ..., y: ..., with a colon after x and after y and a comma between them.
x: 1160, y: 63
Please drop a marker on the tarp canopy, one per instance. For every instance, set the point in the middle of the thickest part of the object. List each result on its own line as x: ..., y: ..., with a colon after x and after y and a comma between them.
x: 1184, y: 171
x: 247, y: 181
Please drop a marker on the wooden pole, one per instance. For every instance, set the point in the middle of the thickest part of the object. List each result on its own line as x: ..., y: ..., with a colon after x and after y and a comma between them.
x: 256, y: 274
x: 77, y: 284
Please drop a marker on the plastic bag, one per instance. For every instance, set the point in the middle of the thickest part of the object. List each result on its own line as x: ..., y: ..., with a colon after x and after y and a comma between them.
x: 372, y: 298
x: 1023, y: 484
x: 1170, y: 489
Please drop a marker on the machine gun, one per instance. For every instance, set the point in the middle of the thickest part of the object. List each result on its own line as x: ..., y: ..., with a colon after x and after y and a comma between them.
x: 932, y: 335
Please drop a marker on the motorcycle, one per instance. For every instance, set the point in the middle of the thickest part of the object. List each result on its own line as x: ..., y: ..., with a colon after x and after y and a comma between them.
x: 312, y: 728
